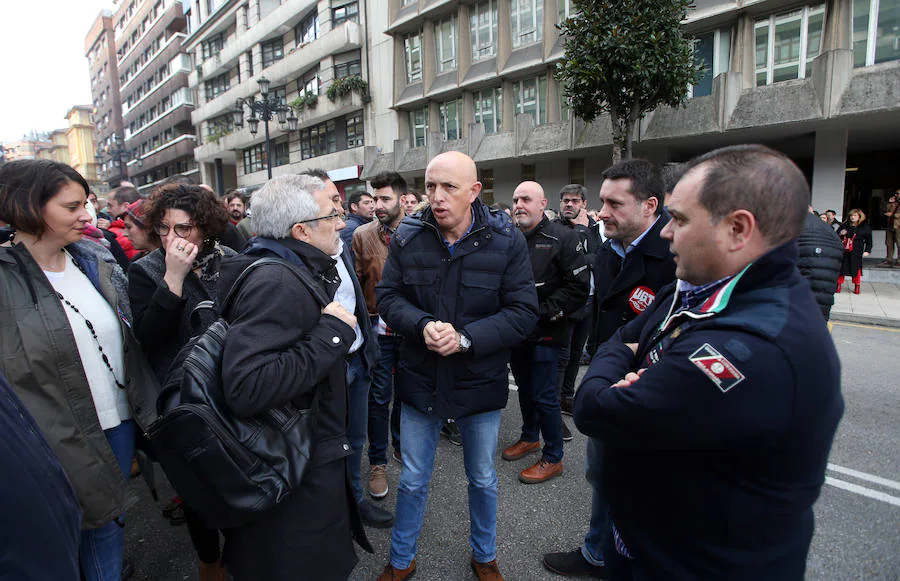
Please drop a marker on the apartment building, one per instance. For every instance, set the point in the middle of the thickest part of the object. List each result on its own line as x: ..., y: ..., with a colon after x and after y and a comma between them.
x: 100, y: 50
x: 153, y: 83
x: 81, y: 141
x: 818, y: 80
x: 57, y: 148
x: 319, y: 56
x: 25, y: 148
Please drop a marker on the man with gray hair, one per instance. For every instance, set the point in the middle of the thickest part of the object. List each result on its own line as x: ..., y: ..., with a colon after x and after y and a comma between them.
x: 283, y: 346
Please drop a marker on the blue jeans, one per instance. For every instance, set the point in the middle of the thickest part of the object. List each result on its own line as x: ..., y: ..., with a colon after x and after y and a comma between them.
x: 419, y: 434
x: 357, y: 420
x: 599, y: 532
x: 535, y: 369
x: 101, y: 549
x: 380, y: 415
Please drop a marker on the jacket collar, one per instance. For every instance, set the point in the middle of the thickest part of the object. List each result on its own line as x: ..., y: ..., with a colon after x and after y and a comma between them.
x: 652, y: 244
x: 291, y: 249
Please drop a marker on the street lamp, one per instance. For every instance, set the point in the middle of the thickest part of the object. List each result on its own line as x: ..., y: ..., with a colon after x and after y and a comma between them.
x: 263, y: 110
x: 117, y: 152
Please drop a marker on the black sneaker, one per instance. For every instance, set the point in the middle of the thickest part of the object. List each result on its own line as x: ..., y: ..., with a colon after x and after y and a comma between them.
x: 565, y: 406
x: 567, y: 435
x: 573, y: 564
x: 451, y: 432
x: 375, y: 516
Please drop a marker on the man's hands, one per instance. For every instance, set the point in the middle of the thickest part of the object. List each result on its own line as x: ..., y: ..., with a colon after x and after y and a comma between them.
x: 630, y: 378
x: 336, y: 309
x: 441, y: 338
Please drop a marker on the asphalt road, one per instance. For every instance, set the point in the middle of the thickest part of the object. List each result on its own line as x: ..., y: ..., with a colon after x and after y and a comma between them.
x: 858, y: 513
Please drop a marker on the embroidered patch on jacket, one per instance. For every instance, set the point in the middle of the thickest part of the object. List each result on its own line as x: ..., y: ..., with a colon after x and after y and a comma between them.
x: 640, y: 299
x: 716, y: 367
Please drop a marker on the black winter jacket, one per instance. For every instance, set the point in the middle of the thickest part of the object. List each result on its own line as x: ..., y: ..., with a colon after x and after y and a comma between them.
x: 820, y: 260
x: 714, y: 457
x: 561, y: 277
x: 590, y: 237
x: 485, y: 289
x: 862, y: 242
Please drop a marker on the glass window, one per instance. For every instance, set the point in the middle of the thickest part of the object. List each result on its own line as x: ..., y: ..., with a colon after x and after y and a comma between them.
x: 279, y: 93
x: 487, y: 186
x: 489, y: 109
x: 280, y: 151
x: 344, y: 13
x: 355, y: 130
x: 445, y: 44
x: 450, y: 113
x: 786, y: 44
x: 530, y: 96
x: 307, y: 30
x: 213, y: 46
x: 711, y: 52
x: 876, y: 31
x: 526, y: 20
x: 309, y: 83
x: 346, y: 69
x: 318, y: 140
x: 408, y: 2
x: 418, y: 127
x: 413, y: 47
x: 254, y: 158
x: 565, y: 9
x: 272, y: 51
x: 483, y: 25
x: 216, y: 86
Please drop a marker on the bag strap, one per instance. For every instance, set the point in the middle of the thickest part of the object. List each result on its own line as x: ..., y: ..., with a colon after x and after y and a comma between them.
x: 301, y: 275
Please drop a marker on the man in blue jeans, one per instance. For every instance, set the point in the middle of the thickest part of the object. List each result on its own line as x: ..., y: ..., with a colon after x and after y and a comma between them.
x: 562, y: 280
x: 457, y: 286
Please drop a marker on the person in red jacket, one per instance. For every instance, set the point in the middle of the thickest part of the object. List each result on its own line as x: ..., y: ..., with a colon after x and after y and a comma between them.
x: 117, y: 204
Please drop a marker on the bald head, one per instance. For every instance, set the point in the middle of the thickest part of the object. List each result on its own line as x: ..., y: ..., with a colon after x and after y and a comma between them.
x: 460, y: 162
x: 451, y: 182
x: 529, y: 203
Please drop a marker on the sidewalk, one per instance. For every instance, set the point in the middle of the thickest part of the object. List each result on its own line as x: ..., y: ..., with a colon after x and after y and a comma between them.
x: 877, y: 304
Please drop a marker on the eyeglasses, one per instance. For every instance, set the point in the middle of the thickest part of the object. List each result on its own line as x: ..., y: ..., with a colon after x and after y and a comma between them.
x: 329, y: 217
x: 181, y: 230
x: 573, y: 201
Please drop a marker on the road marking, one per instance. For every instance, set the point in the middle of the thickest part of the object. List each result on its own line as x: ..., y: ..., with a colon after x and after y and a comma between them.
x: 863, y: 476
x: 873, y: 327
x: 862, y: 491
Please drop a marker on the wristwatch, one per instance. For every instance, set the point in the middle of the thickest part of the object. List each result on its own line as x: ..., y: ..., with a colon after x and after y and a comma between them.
x: 464, y: 343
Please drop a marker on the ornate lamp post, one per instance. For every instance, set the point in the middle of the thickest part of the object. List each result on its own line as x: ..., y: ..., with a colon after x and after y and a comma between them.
x: 262, y: 110
x: 117, y: 152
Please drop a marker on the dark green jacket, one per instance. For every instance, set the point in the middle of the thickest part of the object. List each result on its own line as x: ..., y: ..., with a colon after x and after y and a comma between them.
x: 39, y: 357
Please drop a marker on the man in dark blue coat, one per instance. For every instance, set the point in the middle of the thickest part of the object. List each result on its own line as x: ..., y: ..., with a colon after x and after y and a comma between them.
x: 717, y: 406
x: 457, y: 285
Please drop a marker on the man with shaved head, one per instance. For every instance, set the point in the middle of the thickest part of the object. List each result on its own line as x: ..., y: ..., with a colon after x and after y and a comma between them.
x: 457, y: 286
x: 562, y: 280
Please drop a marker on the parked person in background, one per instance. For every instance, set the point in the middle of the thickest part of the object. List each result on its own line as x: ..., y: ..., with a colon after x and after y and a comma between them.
x: 283, y: 346
x: 892, y: 229
x: 411, y: 201
x: 361, y: 208
x: 76, y: 365
x: 820, y: 260
x: 164, y: 288
x: 856, y: 238
x: 142, y: 236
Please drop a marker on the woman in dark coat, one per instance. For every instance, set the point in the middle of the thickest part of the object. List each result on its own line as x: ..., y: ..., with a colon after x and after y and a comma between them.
x: 857, y: 236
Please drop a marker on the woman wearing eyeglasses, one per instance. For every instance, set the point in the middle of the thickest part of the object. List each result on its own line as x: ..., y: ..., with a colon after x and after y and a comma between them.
x: 165, y: 286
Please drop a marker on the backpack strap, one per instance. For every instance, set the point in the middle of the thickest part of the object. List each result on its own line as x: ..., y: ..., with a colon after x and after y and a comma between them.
x: 303, y: 276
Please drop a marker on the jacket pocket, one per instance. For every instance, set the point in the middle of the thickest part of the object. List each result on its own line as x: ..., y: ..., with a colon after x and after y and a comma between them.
x: 479, y: 292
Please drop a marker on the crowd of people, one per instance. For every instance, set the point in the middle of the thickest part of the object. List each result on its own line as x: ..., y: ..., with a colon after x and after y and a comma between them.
x: 697, y: 294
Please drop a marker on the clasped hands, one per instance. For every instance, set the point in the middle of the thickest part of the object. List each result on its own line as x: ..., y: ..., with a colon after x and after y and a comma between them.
x: 441, y: 337
x: 631, y: 377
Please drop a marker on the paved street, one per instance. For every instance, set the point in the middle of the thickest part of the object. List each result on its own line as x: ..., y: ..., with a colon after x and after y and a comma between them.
x: 858, y: 514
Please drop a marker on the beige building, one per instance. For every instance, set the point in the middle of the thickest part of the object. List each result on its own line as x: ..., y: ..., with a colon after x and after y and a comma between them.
x: 80, y: 139
x: 58, y: 147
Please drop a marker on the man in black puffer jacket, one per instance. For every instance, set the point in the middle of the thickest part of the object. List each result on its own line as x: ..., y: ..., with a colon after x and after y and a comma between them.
x: 820, y: 260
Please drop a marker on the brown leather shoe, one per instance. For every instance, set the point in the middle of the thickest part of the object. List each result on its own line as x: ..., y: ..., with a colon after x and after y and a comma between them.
x: 541, y: 472
x: 392, y: 574
x: 520, y: 449
x: 487, y: 571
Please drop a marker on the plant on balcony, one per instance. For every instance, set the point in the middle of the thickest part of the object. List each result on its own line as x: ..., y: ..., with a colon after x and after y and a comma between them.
x: 346, y: 85
x: 218, y: 133
x: 304, y: 101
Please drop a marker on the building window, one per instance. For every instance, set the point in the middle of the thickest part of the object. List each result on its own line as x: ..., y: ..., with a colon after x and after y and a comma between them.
x: 489, y: 109
x: 272, y: 51
x: 483, y: 24
x: 279, y: 93
x: 445, y: 44
x: 355, y: 130
x: 450, y: 114
x: 216, y: 86
x: 255, y: 158
x: 281, y: 154
x: 347, y: 69
x: 413, y: 47
x: 344, y: 13
x: 527, y: 21
x: 712, y: 53
x: 418, y: 127
x: 318, y: 140
x: 406, y: 3
x: 530, y: 96
x: 876, y: 32
x: 307, y: 30
x: 565, y: 9
x: 576, y: 171
x: 786, y: 44
x: 309, y: 83
x: 213, y: 46
x: 487, y: 186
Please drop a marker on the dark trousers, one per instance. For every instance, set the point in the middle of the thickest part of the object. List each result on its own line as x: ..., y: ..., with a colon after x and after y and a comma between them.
x: 357, y: 420
x: 535, y: 370
x: 570, y: 357
x: 380, y: 396
x: 204, y: 539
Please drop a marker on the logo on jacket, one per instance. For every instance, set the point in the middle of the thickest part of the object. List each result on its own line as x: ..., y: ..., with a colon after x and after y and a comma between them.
x: 640, y: 299
x: 716, y: 367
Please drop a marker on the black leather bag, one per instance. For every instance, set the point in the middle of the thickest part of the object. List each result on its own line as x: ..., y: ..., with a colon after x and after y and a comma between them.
x: 229, y: 469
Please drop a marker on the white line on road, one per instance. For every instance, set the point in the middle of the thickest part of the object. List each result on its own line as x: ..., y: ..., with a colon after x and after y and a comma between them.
x: 863, y: 476
x: 862, y: 491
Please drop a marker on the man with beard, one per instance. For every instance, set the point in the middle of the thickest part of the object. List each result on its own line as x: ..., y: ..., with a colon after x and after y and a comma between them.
x: 237, y: 208
x: 361, y: 208
x: 370, y: 250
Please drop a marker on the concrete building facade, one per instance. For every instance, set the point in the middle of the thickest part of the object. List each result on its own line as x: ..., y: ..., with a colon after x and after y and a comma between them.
x: 156, y: 101
x: 328, y: 58
x: 818, y: 80
x: 100, y: 50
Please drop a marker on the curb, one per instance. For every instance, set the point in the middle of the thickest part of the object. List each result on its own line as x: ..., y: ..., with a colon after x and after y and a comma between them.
x: 865, y: 319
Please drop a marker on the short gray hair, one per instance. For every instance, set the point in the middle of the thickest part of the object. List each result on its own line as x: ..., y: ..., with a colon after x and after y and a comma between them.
x: 282, y: 202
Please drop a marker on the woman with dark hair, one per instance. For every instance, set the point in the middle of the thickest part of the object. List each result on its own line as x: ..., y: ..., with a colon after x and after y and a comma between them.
x: 856, y: 237
x: 165, y: 286
x: 143, y: 238
x: 68, y: 350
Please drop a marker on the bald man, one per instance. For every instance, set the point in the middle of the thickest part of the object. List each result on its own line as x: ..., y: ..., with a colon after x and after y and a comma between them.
x: 562, y: 280
x: 457, y: 286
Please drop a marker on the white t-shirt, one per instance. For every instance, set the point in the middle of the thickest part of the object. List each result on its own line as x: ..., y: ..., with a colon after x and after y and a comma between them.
x: 110, y: 401
x: 346, y: 296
